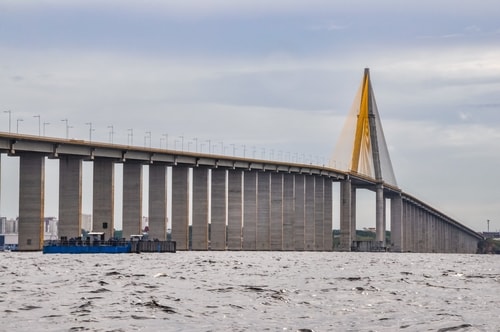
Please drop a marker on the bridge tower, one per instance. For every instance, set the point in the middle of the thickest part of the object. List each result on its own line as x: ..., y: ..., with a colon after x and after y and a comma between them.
x: 362, y: 152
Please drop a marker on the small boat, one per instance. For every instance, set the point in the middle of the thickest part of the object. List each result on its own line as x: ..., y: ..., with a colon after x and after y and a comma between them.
x: 94, y: 243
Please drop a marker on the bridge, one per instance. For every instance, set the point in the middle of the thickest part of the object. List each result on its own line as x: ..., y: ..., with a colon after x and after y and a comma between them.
x: 234, y: 203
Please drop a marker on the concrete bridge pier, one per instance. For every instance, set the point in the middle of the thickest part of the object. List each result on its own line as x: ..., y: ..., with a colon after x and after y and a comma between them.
x: 405, y: 227
x: 353, y: 234
x: 70, y: 196
x: 328, y: 216
x: 263, y: 210
x: 276, y: 209
x: 250, y: 210
x: 346, y: 207
x: 396, y: 224
x: 103, y: 196
x: 218, y: 210
x: 31, y: 201
x: 288, y: 211
x: 413, y: 239
x: 319, y: 212
x: 380, y: 214
x: 432, y: 235
x: 442, y: 234
x: 309, y: 229
x: 157, y: 204
x: 132, y: 199
x: 200, y: 209
x: 300, y: 212
x: 425, y: 232
x: 180, y: 207
x: 234, y: 209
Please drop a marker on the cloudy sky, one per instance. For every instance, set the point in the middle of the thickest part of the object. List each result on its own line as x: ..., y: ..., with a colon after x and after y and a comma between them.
x: 271, y: 78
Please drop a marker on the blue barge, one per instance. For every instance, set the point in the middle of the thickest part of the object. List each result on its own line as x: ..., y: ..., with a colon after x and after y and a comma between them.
x: 95, y: 244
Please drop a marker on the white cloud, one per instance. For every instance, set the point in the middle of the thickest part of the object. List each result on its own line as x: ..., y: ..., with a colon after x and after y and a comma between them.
x: 463, y: 116
x: 472, y: 28
x: 328, y: 27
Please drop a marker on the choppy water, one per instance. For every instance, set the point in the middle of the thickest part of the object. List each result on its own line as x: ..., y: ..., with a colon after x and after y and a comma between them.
x: 249, y: 291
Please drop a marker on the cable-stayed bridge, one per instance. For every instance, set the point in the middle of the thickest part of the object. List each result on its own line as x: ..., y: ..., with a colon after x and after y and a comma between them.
x: 233, y: 203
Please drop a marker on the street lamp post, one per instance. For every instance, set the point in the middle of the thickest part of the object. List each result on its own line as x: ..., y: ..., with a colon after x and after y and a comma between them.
x: 196, y: 144
x: 67, y: 127
x: 39, y: 124
x: 17, y: 128
x: 182, y: 142
x: 111, y: 132
x: 166, y: 140
x: 148, y: 135
x: 131, y: 136
x: 90, y: 130
x: 209, y: 146
x: 10, y: 115
x: 44, y: 124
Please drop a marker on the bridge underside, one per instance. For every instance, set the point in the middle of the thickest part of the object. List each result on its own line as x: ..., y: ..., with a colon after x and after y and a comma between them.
x: 414, y: 226
x: 234, y: 209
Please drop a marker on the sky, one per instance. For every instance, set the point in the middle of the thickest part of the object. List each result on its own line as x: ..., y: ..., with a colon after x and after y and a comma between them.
x: 271, y: 79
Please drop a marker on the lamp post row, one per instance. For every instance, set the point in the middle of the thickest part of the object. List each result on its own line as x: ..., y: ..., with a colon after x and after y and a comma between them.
x: 163, y: 138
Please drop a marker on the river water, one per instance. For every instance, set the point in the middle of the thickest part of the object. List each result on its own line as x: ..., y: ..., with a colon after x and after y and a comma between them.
x: 249, y: 291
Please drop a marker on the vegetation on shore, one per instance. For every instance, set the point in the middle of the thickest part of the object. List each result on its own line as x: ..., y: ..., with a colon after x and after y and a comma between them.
x: 489, y: 246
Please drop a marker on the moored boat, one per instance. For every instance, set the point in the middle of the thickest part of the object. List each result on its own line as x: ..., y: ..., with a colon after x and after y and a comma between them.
x: 94, y: 243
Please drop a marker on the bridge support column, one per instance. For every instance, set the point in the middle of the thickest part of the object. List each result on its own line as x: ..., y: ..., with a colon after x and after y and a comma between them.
x: 103, y: 197
x: 219, y: 207
x: 443, y: 236
x: 70, y: 197
x: 200, y: 209
x: 353, y: 235
x: 250, y: 210
x: 309, y: 230
x: 411, y: 228
x: 319, y: 212
x: 300, y: 212
x: 414, y: 228
x: 263, y: 211
x: 447, y: 237
x: 180, y: 207
x: 397, y: 224
x: 288, y: 211
x: 427, y: 231
x: 132, y: 199
x: 419, y: 231
x: 380, y: 214
x: 157, y: 202
x: 31, y: 201
x: 276, y: 218
x: 406, y: 226
x: 328, y: 216
x: 234, y: 209
x: 432, y: 234
x: 346, y: 234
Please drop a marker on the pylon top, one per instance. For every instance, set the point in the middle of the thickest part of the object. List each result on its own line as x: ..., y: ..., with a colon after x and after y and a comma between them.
x: 362, y: 148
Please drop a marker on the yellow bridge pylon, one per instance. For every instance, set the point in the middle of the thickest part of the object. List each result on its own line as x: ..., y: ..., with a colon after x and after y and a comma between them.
x: 361, y: 148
